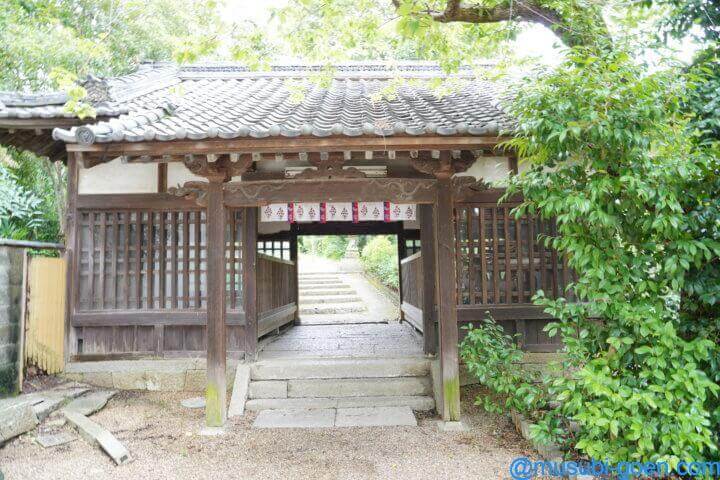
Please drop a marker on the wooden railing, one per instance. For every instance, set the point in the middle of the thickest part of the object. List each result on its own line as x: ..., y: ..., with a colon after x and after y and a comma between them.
x: 412, y: 290
x: 277, y: 302
x: 501, y: 263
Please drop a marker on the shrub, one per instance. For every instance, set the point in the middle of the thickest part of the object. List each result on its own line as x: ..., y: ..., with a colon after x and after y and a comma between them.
x: 612, y: 162
x: 379, y: 259
x: 494, y: 358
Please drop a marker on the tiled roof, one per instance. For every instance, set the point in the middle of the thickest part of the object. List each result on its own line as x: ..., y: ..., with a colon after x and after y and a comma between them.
x: 164, y: 102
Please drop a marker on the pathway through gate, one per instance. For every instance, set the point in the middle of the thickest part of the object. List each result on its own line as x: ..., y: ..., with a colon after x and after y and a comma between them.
x: 348, y: 362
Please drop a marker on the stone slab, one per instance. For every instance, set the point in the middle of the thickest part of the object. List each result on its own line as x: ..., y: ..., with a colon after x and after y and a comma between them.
x: 194, y: 402
x: 268, y: 389
x: 94, y: 434
x: 359, y: 387
x: 240, y: 390
x: 90, y: 403
x: 285, y: 369
x: 417, y: 402
x: 299, y: 418
x: 16, y: 418
x: 48, y: 440
x: 375, y: 417
x: 51, y: 400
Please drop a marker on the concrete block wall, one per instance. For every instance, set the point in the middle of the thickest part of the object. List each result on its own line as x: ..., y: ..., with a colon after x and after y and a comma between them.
x: 11, y: 272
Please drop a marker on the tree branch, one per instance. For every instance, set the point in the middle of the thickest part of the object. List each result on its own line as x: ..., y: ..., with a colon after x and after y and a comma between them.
x: 521, y: 10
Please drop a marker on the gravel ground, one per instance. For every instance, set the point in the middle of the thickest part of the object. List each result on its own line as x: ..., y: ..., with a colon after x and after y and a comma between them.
x: 164, y: 439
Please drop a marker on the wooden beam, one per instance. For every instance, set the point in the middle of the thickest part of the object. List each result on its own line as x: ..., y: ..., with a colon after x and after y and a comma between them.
x: 427, y: 246
x: 447, y: 300
x: 216, y: 392
x: 249, y: 278
x: 291, y: 145
x: 400, y: 190
x: 132, y: 201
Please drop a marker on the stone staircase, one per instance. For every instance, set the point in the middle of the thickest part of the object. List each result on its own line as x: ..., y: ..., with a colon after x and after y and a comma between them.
x: 320, y: 383
x: 326, y: 299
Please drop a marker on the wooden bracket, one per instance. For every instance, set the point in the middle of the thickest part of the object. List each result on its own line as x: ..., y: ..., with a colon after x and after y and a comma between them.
x: 445, y: 166
x: 218, y: 168
x: 329, y: 166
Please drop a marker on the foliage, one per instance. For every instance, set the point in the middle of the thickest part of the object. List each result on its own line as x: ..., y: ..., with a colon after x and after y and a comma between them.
x: 494, y: 358
x: 27, y: 201
x: 379, y: 259
x: 100, y: 38
x: 610, y: 160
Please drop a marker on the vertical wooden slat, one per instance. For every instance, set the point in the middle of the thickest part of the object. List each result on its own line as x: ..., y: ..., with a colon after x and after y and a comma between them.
x: 150, y: 272
x: 138, y: 258
x: 126, y: 258
x: 554, y: 261
x: 186, y: 259
x: 233, y: 294
x: 508, y: 276
x: 496, y: 257
x: 175, y: 261
x: 198, y: 239
x: 483, y: 255
x: 531, y: 253
x: 457, y: 215
x: 102, y: 254
x: 519, y: 257
x: 472, y: 281
x: 114, y: 259
x: 91, y: 259
x: 543, y: 257
x: 162, y: 260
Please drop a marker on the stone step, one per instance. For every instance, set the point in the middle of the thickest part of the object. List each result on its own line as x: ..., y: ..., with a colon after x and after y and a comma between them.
x: 318, y: 368
x: 336, y: 308
x: 334, y: 319
x: 312, y: 278
x: 415, y: 402
x: 315, y: 299
x: 316, y: 282
x: 341, y: 290
x: 340, y: 387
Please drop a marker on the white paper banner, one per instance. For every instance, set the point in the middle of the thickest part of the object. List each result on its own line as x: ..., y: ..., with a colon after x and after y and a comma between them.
x: 371, y: 211
x: 274, y: 212
x: 338, y: 212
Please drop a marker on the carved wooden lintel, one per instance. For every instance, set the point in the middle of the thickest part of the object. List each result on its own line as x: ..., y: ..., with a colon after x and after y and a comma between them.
x: 445, y: 166
x: 399, y: 190
x: 218, y: 168
x: 329, y: 167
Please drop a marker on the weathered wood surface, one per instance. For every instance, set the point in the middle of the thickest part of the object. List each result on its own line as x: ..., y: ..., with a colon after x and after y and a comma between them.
x: 447, y: 301
x: 249, y: 275
x: 215, y: 393
x: 289, y: 145
x: 427, y: 245
x: 400, y: 190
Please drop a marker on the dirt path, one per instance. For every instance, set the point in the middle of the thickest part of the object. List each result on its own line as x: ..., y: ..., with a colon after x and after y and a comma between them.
x: 163, y: 438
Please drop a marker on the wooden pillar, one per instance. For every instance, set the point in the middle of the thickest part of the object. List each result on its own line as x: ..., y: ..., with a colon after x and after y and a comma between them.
x: 296, y: 272
x: 216, y: 391
x: 447, y: 300
x: 249, y: 275
x: 427, y: 245
x: 71, y: 255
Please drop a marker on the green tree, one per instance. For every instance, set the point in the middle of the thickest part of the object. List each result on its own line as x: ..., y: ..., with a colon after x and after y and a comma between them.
x: 612, y: 163
x: 105, y: 37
